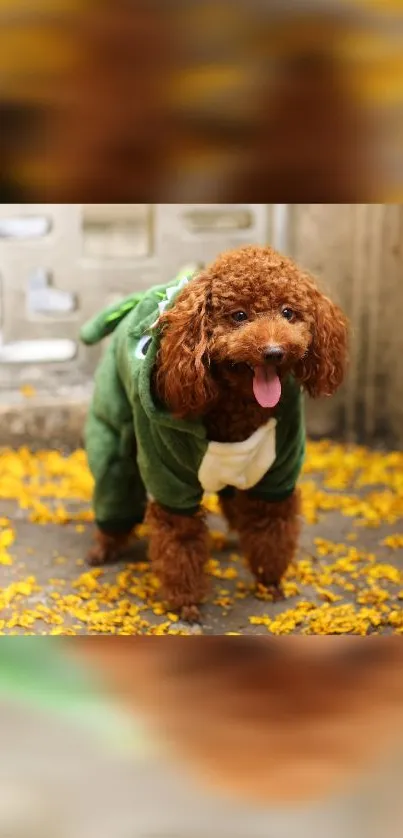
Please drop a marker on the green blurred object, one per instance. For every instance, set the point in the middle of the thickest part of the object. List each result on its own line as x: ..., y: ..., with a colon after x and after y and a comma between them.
x: 37, y: 672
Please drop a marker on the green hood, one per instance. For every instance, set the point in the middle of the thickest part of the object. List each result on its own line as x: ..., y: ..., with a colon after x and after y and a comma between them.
x: 106, y: 321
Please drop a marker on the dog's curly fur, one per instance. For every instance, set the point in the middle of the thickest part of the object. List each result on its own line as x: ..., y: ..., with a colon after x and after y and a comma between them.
x: 203, y: 370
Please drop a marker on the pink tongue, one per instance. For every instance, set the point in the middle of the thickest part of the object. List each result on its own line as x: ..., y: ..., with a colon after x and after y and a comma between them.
x: 266, y: 386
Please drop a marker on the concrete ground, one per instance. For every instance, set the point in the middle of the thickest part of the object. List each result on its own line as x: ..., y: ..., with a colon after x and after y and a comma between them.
x: 345, y: 579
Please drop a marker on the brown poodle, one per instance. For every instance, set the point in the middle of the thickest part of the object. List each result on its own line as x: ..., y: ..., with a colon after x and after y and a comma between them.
x: 239, y: 343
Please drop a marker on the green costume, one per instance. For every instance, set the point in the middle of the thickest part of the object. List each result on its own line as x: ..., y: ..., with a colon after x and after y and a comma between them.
x: 137, y: 448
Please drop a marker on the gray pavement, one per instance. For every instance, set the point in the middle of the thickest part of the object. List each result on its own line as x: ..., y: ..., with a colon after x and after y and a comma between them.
x: 53, y: 555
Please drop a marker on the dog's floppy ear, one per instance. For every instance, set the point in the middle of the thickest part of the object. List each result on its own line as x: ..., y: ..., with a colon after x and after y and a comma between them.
x: 323, y: 368
x: 183, y: 380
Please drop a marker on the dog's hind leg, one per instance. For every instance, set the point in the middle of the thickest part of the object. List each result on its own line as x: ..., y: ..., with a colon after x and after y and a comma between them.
x: 107, y: 547
x: 269, y: 533
x: 119, y: 495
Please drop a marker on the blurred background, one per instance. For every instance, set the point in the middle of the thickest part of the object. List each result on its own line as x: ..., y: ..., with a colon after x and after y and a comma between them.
x: 229, y: 100
x: 61, y: 263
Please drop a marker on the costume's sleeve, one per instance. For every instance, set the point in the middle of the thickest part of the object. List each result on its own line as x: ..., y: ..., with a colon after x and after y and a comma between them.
x: 168, y: 461
x: 280, y: 481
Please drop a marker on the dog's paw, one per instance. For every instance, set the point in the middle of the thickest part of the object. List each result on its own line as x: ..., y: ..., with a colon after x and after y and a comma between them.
x: 190, y: 614
x: 273, y: 590
x: 98, y: 555
x: 276, y: 591
x: 105, y: 551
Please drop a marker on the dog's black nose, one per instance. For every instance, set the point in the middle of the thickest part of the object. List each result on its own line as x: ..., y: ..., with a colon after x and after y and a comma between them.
x: 274, y: 354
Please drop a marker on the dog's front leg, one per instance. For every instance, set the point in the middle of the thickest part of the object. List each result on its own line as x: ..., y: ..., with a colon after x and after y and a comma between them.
x: 178, y: 550
x: 269, y: 533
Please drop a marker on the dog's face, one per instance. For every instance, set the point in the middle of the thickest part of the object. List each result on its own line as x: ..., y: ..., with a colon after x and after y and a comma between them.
x: 260, y: 337
x: 249, y: 320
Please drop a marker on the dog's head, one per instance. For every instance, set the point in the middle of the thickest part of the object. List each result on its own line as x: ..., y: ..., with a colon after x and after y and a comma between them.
x: 248, y: 320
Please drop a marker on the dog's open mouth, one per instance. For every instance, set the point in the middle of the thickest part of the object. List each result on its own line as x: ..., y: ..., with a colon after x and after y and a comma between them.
x: 266, y: 385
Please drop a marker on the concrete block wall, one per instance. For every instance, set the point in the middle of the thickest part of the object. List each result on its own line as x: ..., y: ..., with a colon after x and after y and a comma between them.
x: 61, y: 263
x: 357, y: 251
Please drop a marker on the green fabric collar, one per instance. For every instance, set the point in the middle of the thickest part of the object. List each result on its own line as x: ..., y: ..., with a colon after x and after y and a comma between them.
x: 160, y: 414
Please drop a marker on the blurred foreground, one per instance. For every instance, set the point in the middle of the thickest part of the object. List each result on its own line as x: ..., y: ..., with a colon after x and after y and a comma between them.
x: 298, y: 737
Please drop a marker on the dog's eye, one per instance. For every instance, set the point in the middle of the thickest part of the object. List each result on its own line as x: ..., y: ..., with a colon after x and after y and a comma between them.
x: 288, y: 313
x: 239, y: 316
